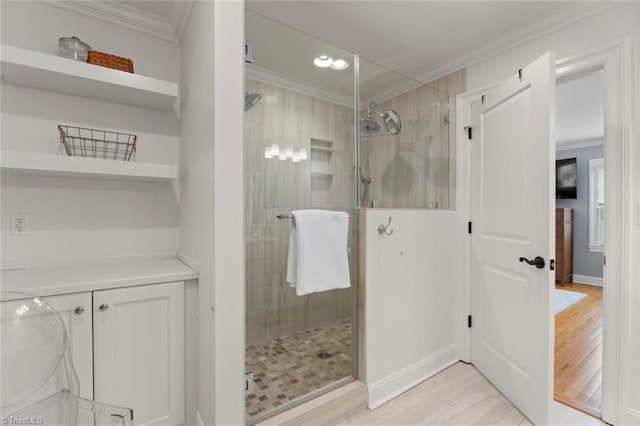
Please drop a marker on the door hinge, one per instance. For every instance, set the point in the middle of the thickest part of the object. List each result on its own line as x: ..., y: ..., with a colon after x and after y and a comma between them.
x: 604, y: 260
x: 552, y: 264
x: 482, y: 99
x: 469, y: 321
x: 470, y: 228
x: 469, y: 131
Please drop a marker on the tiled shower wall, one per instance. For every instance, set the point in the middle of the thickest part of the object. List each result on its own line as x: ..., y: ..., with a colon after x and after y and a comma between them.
x: 411, y: 169
x: 273, y: 186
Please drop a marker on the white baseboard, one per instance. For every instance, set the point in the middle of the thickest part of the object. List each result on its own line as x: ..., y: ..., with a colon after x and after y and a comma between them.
x: 585, y: 279
x: 199, y: 421
x: 391, y: 386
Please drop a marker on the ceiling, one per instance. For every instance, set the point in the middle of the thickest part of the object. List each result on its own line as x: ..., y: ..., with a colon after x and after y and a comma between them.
x: 162, y: 9
x: 422, y: 39
x: 284, y: 56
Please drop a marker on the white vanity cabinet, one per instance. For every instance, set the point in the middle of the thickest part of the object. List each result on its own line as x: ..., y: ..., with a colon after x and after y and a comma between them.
x: 139, y: 351
x: 75, y: 311
x: 128, y: 347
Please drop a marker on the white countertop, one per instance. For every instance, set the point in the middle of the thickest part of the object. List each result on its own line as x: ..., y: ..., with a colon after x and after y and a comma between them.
x: 52, y: 280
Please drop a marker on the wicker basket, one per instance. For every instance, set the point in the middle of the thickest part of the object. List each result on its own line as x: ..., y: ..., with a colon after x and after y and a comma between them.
x: 110, y: 61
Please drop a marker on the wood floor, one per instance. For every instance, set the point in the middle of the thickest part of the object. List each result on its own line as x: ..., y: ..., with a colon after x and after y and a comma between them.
x: 578, y: 351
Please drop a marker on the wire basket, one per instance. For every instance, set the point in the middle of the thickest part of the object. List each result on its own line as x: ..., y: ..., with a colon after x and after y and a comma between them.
x: 93, y: 143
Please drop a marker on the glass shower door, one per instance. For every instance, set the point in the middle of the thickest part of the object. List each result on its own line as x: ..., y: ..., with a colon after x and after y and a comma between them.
x: 298, y: 155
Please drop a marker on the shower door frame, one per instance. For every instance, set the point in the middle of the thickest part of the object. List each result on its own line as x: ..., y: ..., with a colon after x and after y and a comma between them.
x: 357, y: 364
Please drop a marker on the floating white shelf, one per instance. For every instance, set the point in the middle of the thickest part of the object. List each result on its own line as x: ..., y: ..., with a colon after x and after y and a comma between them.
x: 58, y: 165
x: 50, y: 72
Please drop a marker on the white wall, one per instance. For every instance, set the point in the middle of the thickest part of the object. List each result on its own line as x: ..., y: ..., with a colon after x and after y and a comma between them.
x: 79, y: 218
x: 410, y: 298
x: 38, y: 25
x: 211, y: 215
x: 196, y: 184
x: 613, y: 25
x: 229, y: 299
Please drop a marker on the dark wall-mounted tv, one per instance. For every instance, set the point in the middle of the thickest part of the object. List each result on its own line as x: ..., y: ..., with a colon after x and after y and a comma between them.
x: 566, y: 178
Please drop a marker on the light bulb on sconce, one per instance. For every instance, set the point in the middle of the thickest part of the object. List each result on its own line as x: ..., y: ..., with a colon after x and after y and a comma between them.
x: 286, y: 152
x: 289, y: 152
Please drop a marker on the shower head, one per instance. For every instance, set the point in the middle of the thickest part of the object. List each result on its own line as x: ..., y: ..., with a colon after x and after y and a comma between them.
x: 369, y: 125
x: 390, y: 120
x: 251, y: 99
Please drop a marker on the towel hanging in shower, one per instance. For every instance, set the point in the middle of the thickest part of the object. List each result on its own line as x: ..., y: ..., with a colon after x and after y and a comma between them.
x: 317, y: 259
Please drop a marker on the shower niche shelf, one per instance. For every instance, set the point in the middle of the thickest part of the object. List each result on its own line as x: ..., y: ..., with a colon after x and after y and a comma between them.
x: 322, y: 175
x: 320, y: 145
x: 321, y: 159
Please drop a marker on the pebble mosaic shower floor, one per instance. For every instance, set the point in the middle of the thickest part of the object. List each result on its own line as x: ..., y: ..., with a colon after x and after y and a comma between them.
x: 289, y: 367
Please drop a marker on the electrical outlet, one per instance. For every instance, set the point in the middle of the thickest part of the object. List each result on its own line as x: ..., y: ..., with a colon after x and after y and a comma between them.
x: 19, y: 224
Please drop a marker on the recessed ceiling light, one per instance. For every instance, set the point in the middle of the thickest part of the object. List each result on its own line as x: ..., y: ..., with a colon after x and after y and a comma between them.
x: 340, y: 64
x: 323, y: 61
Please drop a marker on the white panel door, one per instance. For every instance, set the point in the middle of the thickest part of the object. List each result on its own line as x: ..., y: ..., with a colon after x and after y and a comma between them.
x: 75, y: 311
x: 512, y: 213
x: 139, y: 351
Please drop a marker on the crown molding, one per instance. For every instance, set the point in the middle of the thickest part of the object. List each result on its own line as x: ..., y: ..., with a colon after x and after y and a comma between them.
x: 510, y: 40
x: 180, y: 17
x: 393, y: 92
x: 582, y: 143
x: 263, y: 75
x: 132, y: 18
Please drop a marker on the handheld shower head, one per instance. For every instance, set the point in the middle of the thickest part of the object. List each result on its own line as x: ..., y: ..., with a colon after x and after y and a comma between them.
x: 251, y: 100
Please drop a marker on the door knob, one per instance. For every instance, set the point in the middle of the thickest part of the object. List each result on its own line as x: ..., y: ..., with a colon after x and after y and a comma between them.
x: 103, y: 307
x: 538, y: 262
x: 79, y: 310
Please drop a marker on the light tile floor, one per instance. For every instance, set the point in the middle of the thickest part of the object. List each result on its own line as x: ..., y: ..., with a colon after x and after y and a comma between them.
x: 459, y: 395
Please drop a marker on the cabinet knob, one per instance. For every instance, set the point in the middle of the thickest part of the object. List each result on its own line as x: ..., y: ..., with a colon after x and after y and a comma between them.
x: 104, y: 307
x: 79, y: 310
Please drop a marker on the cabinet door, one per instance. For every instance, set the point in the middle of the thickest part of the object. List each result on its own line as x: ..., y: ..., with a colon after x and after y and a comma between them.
x: 75, y: 311
x: 139, y: 351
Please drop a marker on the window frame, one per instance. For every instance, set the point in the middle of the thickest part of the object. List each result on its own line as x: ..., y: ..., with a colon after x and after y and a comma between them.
x: 595, y: 165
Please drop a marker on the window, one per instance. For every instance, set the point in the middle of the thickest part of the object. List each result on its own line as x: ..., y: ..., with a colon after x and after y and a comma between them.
x: 596, y: 205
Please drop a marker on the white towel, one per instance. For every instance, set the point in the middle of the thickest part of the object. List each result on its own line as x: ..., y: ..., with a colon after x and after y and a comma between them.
x: 317, y: 258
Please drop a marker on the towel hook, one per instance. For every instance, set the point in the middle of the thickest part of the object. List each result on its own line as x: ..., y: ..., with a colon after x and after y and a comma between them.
x: 383, y: 229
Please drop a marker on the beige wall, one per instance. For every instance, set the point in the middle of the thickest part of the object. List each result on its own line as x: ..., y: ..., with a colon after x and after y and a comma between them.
x: 274, y: 186
x: 411, y: 169
x: 416, y: 169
